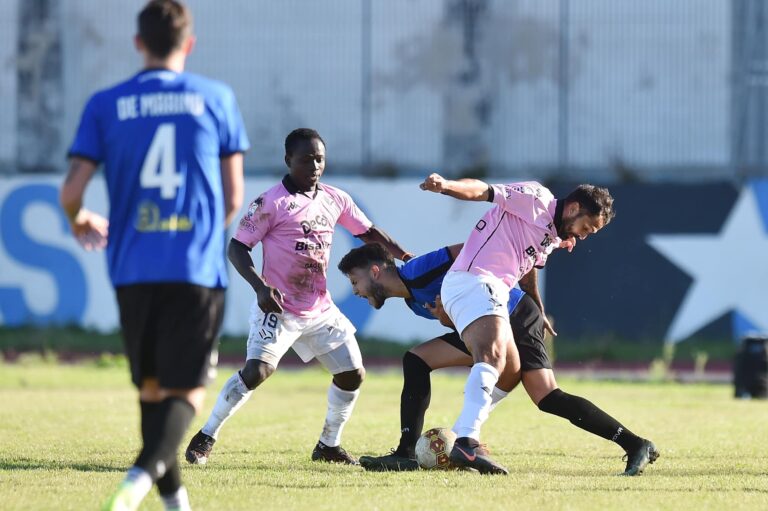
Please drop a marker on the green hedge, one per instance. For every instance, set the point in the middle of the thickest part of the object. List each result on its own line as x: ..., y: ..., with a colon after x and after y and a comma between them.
x: 73, y: 340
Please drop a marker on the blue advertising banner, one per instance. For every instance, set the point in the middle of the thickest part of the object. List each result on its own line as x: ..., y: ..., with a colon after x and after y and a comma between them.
x: 677, y: 261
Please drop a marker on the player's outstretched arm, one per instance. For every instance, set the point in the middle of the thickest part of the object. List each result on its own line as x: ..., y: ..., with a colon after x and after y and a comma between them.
x: 376, y: 235
x: 269, y: 298
x: 90, y: 229
x: 464, y: 189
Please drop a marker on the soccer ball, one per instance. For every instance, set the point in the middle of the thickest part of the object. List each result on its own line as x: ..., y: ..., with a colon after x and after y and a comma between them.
x: 433, y: 448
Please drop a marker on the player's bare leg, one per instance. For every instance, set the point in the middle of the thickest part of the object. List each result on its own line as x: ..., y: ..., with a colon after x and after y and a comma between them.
x: 488, y: 338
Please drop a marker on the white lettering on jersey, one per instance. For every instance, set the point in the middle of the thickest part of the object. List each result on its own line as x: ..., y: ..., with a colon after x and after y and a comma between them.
x: 159, y: 104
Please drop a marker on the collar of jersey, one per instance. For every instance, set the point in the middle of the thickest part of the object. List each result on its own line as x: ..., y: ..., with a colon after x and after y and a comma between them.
x: 160, y: 71
x: 558, y: 218
x: 293, y: 189
x: 405, y: 284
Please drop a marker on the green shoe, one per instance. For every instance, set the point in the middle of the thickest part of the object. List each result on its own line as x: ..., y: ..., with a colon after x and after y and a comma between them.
x: 123, y: 499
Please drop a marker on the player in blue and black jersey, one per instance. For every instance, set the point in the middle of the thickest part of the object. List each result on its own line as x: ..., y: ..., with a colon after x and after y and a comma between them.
x: 171, y: 144
x: 374, y: 276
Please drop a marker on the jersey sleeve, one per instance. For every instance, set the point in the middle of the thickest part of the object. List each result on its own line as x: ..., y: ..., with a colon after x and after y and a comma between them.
x: 427, y: 264
x: 520, y: 199
x: 232, y: 128
x: 352, y: 218
x: 88, y: 141
x: 256, y: 223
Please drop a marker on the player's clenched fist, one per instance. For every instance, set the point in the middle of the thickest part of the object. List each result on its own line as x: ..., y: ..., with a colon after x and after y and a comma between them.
x: 270, y: 299
x: 433, y: 183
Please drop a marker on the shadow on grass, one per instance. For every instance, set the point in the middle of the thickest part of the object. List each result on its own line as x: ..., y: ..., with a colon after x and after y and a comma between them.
x: 32, y: 464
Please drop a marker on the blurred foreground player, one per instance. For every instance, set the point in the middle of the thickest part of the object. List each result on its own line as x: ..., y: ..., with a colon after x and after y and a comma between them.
x: 171, y: 143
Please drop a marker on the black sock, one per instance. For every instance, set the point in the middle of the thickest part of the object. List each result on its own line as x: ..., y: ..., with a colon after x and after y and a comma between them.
x: 162, y: 435
x: 587, y: 416
x: 414, y: 401
x: 148, y: 415
x: 170, y: 483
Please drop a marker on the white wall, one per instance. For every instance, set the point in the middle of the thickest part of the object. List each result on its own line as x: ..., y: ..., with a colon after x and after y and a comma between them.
x: 649, y: 81
x: 420, y: 221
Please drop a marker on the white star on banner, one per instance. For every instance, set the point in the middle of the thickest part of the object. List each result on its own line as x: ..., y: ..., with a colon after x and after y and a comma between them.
x: 729, y: 270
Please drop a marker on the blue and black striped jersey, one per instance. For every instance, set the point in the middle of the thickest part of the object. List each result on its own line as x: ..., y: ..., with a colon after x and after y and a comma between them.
x: 423, y: 277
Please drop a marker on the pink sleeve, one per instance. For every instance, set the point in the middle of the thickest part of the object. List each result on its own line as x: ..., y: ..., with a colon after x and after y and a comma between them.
x: 256, y: 222
x: 352, y: 218
x: 520, y: 199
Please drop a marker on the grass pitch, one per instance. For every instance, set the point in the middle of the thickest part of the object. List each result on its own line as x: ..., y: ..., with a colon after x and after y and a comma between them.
x: 67, y: 434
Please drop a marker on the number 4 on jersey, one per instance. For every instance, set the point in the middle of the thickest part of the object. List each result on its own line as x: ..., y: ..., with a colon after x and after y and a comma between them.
x: 159, y: 168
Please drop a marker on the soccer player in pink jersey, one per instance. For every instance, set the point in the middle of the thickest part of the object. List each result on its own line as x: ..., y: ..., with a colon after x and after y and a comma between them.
x: 511, y: 239
x: 295, y: 221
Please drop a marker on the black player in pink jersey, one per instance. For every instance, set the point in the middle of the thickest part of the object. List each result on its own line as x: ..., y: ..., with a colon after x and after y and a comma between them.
x: 294, y: 221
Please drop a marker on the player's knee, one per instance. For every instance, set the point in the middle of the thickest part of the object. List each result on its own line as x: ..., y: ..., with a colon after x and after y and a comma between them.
x: 413, y: 363
x: 349, y: 380
x: 255, y: 372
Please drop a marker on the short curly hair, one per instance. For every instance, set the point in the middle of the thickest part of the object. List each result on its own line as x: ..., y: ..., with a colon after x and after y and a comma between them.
x: 364, y: 256
x: 595, y: 199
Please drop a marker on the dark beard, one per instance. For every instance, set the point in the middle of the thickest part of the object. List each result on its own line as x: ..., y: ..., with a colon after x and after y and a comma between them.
x: 564, y: 230
x: 378, y: 295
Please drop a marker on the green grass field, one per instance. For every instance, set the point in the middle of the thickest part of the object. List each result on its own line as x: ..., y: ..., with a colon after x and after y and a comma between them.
x: 67, y: 433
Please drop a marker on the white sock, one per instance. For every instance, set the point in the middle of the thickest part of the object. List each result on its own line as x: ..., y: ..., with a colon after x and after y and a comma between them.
x: 178, y: 501
x: 477, y: 400
x: 231, y: 398
x: 136, y: 484
x: 496, y: 396
x: 340, y: 405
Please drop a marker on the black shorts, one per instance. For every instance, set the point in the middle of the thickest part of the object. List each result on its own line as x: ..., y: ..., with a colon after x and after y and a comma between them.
x: 170, y: 332
x: 528, y: 328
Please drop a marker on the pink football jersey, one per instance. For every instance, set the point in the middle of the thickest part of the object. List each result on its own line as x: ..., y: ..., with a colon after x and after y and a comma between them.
x: 514, y: 236
x: 296, y: 231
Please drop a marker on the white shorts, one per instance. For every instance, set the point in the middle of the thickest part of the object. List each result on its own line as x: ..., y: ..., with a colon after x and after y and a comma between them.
x: 329, y: 337
x: 467, y: 296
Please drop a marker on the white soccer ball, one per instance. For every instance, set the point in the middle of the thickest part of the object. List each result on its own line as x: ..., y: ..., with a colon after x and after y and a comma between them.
x: 433, y: 448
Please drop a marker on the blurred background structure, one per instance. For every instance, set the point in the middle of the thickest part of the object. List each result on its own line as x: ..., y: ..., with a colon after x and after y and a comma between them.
x: 595, y: 89
x: 664, y: 102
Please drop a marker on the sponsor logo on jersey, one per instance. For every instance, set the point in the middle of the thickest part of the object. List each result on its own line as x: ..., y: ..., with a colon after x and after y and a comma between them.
x: 311, y: 225
x: 308, y: 245
x: 315, y: 266
x: 148, y: 219
x: 255, y: 205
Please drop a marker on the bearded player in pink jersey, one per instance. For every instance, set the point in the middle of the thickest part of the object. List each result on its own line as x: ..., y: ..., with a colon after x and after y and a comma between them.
x: 294, y: 221
x: 510, y: 240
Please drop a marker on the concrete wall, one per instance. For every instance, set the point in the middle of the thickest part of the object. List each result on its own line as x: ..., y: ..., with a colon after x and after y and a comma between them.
x: 453, y: 83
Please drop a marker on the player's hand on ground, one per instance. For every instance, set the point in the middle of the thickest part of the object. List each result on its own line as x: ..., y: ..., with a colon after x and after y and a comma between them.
x: 568, y: 244
x: 270, y: 299
x: 90, y: 230
x: 439, y: 312
x: 548, y: 326
x: 433, y: 183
